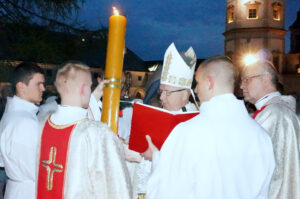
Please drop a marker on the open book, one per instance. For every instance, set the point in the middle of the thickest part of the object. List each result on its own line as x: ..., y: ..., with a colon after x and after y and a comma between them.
x: 153, y: 121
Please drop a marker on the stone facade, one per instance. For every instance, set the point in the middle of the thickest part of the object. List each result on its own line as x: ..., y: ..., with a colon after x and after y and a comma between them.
x: 254, y: 25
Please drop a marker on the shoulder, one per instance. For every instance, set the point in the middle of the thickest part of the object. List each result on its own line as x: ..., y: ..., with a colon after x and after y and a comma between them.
x: 95, y: 128
x: 198, y: 121
x: 278, y: 115
x: 278, y: 110
x: 195, y: 127
x: 96, y: 134
x: 282, y: 103
x: 19, y: 126
x: 19, y: 118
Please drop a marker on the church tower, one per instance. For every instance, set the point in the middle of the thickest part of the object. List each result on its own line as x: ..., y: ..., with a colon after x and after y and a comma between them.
x: 293, y: 57
x: 295, y: 35
x: 252, y: 25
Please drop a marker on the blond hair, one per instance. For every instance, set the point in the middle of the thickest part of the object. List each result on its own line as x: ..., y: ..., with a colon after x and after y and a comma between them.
x: 69, y: 72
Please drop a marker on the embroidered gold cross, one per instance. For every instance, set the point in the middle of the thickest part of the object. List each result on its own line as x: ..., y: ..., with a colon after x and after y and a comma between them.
x: 47, y: 164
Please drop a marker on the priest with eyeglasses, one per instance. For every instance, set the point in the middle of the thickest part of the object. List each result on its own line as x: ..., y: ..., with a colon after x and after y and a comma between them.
x: 176, y: 80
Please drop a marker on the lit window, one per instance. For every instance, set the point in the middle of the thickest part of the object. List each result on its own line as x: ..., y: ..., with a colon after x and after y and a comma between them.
x: 276, y: 11
x: 230, y: 14
x: 252, y: 14
x: 252, y: 9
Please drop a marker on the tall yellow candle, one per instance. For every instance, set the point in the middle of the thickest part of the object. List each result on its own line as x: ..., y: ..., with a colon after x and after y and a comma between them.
x: 113, y: 70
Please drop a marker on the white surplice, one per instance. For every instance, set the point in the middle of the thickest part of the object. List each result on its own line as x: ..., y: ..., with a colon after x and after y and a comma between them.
x: 140, y: 172
x: 18, y: 142
x: 278, y: 118
x: 221, y: 153
x: 96, y: 163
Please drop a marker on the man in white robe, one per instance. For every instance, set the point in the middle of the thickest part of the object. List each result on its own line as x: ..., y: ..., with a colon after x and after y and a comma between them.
x: 93, y: 163
x: 222, y: 153
x: 19, y: 131
x: 276, y: 114
x: 176, y: 78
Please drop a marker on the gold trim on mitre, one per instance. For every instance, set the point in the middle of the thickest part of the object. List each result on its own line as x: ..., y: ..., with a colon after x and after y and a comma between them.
x: 166, y: 67
x: 178, y: 69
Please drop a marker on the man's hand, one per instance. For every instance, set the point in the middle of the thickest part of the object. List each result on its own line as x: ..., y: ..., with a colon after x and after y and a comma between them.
x: 98, y: 91
x: 130, y: 155
x: 151, y: 149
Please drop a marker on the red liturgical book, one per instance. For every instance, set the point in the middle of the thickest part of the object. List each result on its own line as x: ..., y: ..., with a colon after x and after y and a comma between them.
x: 153, y: 121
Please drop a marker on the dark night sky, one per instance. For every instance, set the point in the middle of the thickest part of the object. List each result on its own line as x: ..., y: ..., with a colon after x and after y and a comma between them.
x: 153, y: 24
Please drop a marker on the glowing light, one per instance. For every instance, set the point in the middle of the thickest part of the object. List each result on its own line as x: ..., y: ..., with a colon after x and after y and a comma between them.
x: 116, y: 11
x: 249, y: 59
x: 153, y: 68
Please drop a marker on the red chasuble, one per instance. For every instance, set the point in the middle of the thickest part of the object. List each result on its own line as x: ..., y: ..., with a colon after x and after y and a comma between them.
x: 53, y: 160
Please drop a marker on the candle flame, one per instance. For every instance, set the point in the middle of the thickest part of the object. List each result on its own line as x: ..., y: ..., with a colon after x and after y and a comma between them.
x: 115, y: 10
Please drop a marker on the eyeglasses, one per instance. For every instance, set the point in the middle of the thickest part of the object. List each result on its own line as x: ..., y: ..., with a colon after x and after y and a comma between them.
x: 246, y: 80
x: 168, y: 93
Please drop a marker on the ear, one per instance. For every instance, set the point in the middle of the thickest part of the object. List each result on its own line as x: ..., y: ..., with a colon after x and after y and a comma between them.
x: 211, y: 82
x: 266, y: 79
x: 82, y: 89
x: 20, y: 86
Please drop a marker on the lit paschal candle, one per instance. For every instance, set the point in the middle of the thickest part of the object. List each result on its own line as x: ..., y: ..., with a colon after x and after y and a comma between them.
x: 113, y: 70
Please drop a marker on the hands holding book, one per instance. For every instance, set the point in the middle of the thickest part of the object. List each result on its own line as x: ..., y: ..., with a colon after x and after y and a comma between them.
x: 151, y: 149
x: 130, y: 155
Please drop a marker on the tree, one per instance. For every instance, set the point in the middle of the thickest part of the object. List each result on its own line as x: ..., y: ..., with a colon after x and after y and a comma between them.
x: 30, y: 11
x: 35, y: 30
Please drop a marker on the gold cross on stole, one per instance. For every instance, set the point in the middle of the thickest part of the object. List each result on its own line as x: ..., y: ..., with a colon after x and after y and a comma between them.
x: 47, y: 164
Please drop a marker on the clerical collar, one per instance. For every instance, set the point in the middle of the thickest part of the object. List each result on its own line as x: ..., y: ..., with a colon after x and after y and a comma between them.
x: 262, y: 101
x: 19, y: 104
x: 68, y: 114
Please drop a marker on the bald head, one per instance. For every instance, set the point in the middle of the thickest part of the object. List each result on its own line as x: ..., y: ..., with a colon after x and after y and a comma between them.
x: 215, y: 76
x: 265, y: 67
x: 73, y: 83
x: 258, y: 80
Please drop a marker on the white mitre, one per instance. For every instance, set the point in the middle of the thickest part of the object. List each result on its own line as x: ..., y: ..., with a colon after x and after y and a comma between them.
x: 178, y: 69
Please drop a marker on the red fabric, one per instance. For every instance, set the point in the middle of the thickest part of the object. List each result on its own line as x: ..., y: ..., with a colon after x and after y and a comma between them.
x: 55, y: 143
x: 120, y: 113
x: 258, y: 111
x: 154, y: 122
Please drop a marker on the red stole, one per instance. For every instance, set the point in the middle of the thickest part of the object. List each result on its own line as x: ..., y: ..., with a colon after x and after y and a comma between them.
x: 258, y: 111
x: 53, y: 160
